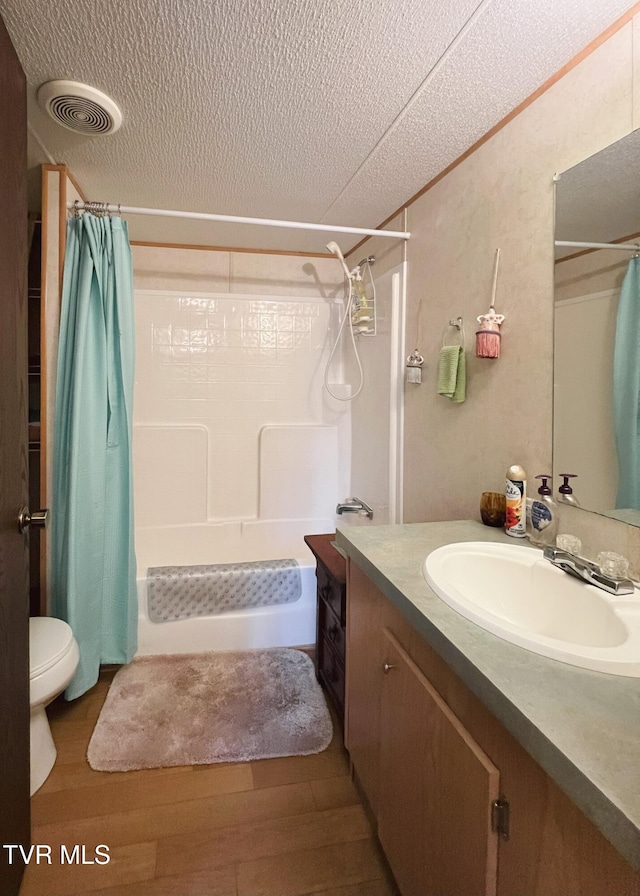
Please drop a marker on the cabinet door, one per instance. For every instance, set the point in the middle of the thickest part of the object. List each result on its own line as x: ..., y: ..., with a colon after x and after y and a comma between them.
x: 436, y: 789
x: 365, y: 606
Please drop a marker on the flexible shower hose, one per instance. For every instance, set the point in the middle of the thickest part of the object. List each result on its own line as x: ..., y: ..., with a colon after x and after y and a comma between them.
x: 345, y: 317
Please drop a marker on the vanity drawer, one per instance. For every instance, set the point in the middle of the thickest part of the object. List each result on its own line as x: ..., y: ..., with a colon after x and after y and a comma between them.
x: 329, y: 627
x: 331, y: 674
x: 332, y: 592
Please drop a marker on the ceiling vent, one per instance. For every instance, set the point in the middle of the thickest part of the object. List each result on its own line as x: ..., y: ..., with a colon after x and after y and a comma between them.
x: 80, y: 108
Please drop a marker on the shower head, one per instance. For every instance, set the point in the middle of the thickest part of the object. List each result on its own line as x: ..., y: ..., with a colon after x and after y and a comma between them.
x: 335, y: 249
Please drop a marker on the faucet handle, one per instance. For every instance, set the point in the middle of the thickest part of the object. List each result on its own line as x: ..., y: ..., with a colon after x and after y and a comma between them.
x: 569, y: 543
x: 612, y: 564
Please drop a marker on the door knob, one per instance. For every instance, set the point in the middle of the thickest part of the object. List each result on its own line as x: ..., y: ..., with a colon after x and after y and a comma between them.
x: 387, y: 668
x: 38, y: 519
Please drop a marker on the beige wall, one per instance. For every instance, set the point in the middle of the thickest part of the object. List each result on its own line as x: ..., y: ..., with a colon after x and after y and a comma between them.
x: 502, y: 196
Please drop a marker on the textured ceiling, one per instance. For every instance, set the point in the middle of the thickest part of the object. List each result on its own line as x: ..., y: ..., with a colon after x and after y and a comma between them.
x: 333, y: 112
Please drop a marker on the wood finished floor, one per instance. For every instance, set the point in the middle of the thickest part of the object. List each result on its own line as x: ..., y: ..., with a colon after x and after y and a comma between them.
x: 275, y: 827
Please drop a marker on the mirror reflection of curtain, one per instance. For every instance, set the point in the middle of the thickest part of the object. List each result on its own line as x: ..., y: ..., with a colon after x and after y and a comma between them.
x: 93, y: 562
x: 626, y: 389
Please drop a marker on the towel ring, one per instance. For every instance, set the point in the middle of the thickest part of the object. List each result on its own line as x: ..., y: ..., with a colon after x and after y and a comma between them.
x: 458, y: 324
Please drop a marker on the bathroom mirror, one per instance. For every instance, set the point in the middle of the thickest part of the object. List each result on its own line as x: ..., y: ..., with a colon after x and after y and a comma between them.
x: 597, y: 201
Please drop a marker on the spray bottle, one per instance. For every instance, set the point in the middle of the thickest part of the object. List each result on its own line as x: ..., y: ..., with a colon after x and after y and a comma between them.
x: 516, y: 500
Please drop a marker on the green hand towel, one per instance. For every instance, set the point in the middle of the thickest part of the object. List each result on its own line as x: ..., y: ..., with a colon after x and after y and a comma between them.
x: 452, y: 372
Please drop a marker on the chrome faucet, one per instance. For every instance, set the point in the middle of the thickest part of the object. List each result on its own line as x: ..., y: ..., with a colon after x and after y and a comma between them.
x: 355, y: 505
x: 587, y: 571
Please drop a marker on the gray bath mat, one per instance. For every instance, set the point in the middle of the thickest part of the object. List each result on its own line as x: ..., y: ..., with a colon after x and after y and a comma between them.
x: 210, y: 707
x: 180, y: 592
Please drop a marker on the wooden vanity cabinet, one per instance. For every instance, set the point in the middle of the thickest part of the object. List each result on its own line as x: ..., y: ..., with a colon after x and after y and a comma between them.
x: 431, y: 760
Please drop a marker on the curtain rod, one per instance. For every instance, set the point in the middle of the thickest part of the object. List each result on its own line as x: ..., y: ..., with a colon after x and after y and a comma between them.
x: 105, y: 208
x: 629, y: 247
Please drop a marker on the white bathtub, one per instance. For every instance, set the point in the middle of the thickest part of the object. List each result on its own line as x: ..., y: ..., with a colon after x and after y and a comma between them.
x: 282, y: 625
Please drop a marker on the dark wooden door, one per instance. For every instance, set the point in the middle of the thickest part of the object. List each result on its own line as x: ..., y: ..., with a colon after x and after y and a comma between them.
x: 14, y: 548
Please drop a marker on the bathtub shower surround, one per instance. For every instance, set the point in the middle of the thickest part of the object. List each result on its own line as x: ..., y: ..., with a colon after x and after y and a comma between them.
x: 212, y: 372
x: 238, y: 453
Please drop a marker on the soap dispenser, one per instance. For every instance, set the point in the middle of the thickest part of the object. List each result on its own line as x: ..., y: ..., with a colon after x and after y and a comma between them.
x: 565, y: 492
x: 544, y: 514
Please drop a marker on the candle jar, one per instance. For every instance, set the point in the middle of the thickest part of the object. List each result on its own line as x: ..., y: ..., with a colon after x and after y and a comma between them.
x: 493, y: 508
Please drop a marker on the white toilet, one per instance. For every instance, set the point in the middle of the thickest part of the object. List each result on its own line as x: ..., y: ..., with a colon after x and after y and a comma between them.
x: 53, y: 659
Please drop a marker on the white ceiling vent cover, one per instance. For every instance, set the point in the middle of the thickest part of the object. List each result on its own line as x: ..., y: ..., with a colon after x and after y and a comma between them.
x: 79, y: 107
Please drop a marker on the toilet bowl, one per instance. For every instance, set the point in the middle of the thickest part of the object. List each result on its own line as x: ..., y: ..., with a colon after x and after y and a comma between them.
x: 53, y: 659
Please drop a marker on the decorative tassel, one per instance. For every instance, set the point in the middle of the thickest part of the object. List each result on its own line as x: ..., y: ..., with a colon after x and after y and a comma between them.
x: 414, y: 367
x: 487, y: 344
x: 488, y: 336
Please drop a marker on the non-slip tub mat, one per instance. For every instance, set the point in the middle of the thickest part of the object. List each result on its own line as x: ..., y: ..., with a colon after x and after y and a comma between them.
x: 181, y: 592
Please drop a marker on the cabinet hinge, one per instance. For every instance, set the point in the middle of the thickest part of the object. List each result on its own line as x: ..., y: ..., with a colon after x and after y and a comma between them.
x: 500, y: 818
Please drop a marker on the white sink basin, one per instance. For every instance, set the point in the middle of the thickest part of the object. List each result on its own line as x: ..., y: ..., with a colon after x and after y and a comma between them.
x: 513, y: 592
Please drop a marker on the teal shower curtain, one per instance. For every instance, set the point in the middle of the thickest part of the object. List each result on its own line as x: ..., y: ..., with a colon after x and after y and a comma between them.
x: 626, y: 389
x: 93, y: 562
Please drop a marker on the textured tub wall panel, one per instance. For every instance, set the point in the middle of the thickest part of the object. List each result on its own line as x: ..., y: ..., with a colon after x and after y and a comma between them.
x: 231, y: 365
x: 501, y: 196
x: 226, y: 365
x: 298, y: 472
x: 170, y: 475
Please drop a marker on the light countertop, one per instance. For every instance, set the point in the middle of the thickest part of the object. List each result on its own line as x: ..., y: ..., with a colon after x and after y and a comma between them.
x: 582, y: 727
